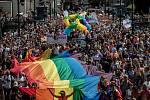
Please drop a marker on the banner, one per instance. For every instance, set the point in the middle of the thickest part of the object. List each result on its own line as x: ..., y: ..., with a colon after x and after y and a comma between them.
x: 59, y: 39
x: 93, y: 14
x: 50, y: 39
x: 127, y: 23
x: 81, y: 41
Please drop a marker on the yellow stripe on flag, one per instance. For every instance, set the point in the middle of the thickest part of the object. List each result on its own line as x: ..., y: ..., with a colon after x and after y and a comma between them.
x: 45, y: 54
x: 51, y: 74
x: 61, y: 84
x: 50, y: 70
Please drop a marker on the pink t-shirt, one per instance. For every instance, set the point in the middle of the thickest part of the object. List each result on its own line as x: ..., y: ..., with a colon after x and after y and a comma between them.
x: 136, y: 40
x: 145, y: 95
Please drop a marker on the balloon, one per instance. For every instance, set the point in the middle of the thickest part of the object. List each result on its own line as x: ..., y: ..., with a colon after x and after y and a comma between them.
x: 86, y: 31
x: 80, y: 17
x: 73, y: 16
x: 66, y: 21
x: 73, y: 25
x: 88, y: 26
x: 84, y: 21
x: 81, y: 27
x: 79, y: 23
x: 83, y: 14
x: 91, y: 20
x: 89, y: 17
x: 67, y: 31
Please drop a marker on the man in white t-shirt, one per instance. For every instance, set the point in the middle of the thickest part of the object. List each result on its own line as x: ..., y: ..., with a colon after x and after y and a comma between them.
x: 147, y: 82
x: 22, y: 82
x: 7, y: 83
x: 66, y: 13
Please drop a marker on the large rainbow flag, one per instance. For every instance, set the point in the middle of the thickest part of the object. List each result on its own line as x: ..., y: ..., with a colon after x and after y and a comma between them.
x: 59, y: 75
x: 45, y: 55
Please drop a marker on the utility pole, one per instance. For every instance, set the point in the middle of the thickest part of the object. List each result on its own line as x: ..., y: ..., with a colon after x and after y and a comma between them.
x: 30, y: 5
x: 50, y: 11
x: 34, y: 15
x: 105, y: 7
x: 108, y: 7
x: 18, y: 8
x: 45, y: 10
x: 132, y: 16
x: 54, y: 9
x: 120, y: 14
x: 113, y: 12
x: 62, y: 5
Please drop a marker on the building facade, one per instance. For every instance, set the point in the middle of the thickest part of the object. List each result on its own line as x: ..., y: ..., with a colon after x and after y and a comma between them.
x: 26, y: 6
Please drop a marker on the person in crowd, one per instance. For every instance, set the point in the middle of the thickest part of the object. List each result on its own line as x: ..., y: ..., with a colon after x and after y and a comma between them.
x: 135, y: 92
x: 21, y: 79
x: 125, y: 85
x: 7, y: 79
x: 145, y: 93
x: 147, y: 82
x: 1, y: 84
x: 62, y: 96
x: 106, y: 48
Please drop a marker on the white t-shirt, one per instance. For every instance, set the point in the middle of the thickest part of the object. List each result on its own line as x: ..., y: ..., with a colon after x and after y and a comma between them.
x: 7, y: 79
x: 65, y: 13
x: 147, y: 83
x: 129, y: 93
x: 21, y: 84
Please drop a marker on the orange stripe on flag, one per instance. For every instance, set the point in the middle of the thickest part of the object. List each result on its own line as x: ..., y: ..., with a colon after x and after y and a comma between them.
x: 44, y: 94
x: 35, y: 73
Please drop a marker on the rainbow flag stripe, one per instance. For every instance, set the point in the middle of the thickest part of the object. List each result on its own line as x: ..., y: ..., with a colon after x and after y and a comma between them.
x: 60, y: 74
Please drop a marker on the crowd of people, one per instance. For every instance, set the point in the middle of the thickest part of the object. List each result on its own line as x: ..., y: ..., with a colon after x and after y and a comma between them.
x: 108, y: 46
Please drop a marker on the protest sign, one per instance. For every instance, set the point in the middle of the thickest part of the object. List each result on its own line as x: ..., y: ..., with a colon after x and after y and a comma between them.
x: 59, y: 39
x: 93, y: 14
x: 50, y: 39
x: 127, y: 23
